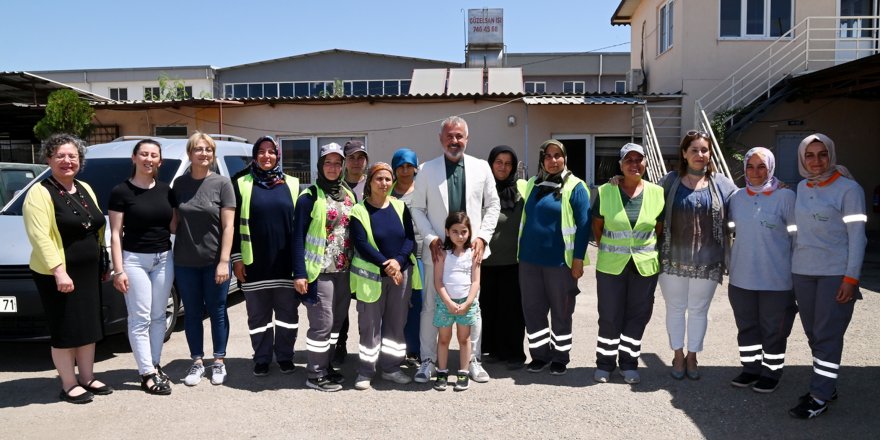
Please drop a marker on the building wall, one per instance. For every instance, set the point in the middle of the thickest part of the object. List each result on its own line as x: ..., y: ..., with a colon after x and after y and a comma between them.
x: 709, y: 59
x: 136, y: 88
x: 388, y: 126
x: 857, y: 149
x: 99, y: 81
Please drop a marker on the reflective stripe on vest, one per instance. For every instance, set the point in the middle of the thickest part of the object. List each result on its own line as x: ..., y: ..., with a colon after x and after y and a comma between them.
x: 366, y: 277
x: 620, y: 241
x: 569, y: 229
x: 316, y: 236
x: 245, y: 188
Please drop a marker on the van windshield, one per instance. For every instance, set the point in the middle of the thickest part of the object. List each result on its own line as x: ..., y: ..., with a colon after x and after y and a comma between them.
x: 102, y: 175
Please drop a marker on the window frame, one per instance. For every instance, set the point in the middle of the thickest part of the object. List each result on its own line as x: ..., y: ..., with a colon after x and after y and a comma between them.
x: 535, y: 85
x: 574, y: 85
x: 766, y: 22
x: 665, y: 27
x: 119, y: 91
x: 152, y: 93
x: 620, y: 81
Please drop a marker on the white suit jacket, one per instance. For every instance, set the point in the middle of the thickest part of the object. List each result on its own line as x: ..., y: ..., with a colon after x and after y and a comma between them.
x: 430, y: 201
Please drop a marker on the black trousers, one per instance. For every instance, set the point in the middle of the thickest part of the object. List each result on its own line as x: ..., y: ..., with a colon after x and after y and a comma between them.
x: 626, y: 302
x: 504, y: 326
x: 763, y: 320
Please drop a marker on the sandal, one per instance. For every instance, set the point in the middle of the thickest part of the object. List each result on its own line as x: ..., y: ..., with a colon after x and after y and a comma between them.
x: 102, y: 390
x: 159, y: 387
x: 85, y: 397
x: 161, y: 373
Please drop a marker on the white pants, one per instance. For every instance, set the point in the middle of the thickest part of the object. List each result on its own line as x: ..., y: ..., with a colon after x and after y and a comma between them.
x: 690, y: 296
x: 150, y: 277
x: 427, y: 331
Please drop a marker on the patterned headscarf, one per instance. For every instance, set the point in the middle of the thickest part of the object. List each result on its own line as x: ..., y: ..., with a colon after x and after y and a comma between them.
x: 378, y: 166
x: 832, y: 159
x: 546, y: 182
x: 770, y: 161
x: 266, y: 178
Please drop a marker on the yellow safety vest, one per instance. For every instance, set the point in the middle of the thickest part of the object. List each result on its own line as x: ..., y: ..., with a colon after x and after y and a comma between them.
x: 568, y: 226
x: 620, y: 241
x: 316, y: 236
x: 245, y: 188
x: 366, y: 277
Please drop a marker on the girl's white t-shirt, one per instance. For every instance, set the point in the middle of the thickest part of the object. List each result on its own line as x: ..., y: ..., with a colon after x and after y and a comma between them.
x: 457, y: 273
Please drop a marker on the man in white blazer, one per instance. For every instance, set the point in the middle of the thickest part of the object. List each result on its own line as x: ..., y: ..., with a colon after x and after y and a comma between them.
x: 431, y: 201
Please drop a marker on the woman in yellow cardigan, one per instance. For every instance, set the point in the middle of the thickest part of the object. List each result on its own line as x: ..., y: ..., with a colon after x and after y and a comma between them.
x: 66, y: 229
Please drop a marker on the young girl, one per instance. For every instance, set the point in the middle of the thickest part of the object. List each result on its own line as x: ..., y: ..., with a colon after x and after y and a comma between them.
x: 457, y: 281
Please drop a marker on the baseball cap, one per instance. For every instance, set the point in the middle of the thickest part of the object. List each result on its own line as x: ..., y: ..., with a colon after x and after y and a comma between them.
x: 631, y: 147
x: 352, y: 147
x: 330, y: 148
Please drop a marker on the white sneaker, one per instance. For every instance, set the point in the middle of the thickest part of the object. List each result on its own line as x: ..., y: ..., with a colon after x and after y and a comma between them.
x: 477, y: 373
x: 194, y: 376
x: 398, y: 377
x: 218, y: 373
x: 426, y: 370
x: 362, y: 383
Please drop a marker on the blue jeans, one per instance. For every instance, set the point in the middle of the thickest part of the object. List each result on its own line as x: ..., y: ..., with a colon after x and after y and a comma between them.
x: 200, y: 294
x: 149, y: 284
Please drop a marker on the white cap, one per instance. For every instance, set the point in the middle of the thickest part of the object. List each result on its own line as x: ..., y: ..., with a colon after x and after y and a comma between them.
x: 631, y: 147
x: 332, y: 147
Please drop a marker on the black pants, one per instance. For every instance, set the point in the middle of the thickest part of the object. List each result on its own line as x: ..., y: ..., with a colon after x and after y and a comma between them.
x: 625, y: 302
x: 763, y: 320
x: 504, y: 327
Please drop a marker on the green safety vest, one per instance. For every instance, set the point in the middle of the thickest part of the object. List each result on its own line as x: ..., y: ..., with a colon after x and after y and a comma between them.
x: 620, y: 241
x: 568, y: 227
x: 245, y: 187
x: 366, y: 277
x: 316, y: 236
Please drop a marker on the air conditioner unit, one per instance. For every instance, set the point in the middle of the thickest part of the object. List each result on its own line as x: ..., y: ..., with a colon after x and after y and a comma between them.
x: 635, y: 79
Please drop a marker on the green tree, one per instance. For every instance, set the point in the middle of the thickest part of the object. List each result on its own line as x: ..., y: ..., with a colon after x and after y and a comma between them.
x: 168, y: 89
x: 65, y: 113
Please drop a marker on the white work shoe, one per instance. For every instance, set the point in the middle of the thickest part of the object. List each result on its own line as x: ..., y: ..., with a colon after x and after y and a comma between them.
x: 426, y: 370
x: 477, y: 373
x: 362, y: 383
x: 398, y: 377
x: 194, y: 376
x: 218, y: 373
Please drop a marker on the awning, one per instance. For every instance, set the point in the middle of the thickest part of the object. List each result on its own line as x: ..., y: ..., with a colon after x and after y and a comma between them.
x: 571, y: 100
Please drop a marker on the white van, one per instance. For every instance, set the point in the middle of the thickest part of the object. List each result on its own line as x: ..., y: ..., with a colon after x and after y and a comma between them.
x: 106, y: 165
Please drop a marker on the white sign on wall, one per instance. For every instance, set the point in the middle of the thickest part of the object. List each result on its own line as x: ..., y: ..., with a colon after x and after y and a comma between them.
x: 486, y: 26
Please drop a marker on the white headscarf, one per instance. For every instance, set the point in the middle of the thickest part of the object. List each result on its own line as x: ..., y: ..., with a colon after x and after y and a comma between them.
x: 832, y: 159
x: 770, y: 161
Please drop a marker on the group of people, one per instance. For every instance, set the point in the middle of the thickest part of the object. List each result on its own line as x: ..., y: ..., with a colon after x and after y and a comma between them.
x: 501, y: 261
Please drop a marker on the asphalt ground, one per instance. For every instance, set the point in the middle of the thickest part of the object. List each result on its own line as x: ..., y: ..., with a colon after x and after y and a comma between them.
x: 514, y: 404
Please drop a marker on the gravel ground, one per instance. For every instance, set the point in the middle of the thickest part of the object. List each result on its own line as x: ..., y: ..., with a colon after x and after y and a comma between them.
x: 513, y: 405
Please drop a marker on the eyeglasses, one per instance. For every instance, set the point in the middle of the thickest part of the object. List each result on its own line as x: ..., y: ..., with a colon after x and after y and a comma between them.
x: 202, y: 150
x: 61, y: 157
x: 701, y: 134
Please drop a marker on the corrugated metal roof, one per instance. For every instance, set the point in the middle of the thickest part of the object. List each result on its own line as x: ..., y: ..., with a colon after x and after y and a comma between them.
x: 465, y: 81
x: 27, y: 88
x: 581, y: 100
x: 506, y: 80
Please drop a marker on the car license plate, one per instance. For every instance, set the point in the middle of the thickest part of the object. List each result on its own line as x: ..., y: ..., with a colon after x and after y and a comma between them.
x: 8, y: 305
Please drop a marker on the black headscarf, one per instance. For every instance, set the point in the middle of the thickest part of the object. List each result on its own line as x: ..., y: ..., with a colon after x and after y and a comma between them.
x: 331, y: 188
x: 266, y: 178
x: 545, y: 182
x: 506, y: 188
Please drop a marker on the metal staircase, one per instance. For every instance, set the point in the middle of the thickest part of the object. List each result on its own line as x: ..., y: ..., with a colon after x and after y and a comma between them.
x: 643, y: 127
x: 813, y: 44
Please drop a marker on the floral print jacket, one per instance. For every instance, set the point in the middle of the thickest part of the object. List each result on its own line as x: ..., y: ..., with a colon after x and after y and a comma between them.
x: 339, y: 250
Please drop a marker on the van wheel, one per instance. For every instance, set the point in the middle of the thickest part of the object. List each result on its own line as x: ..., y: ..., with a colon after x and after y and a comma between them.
x: 172, y: 310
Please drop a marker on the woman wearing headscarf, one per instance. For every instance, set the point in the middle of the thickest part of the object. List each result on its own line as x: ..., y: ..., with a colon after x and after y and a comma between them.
x: 626, y: 225
x: 760, y: 290
x: 382, y: 232
x: 500, y: 297
x: 405, y: 164
x: 826, y: 264
x: 321, y: 257
x: 554, y: 232
x: 693, y: 246
x: 262, y: 256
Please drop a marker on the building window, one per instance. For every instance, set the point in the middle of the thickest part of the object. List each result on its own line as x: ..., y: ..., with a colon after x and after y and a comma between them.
x: 170, y: 131
x: 299, y: 156
x: 151, y: 94
x: 754, y: 18
x: 664, y: 26
x: 619, y: 86
x: 573, y: 87
x: 119, y: 94
x: 535, y: 86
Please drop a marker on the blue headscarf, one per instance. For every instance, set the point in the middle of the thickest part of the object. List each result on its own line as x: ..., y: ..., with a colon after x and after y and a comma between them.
x: 404, y: 156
